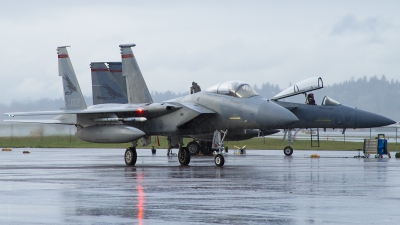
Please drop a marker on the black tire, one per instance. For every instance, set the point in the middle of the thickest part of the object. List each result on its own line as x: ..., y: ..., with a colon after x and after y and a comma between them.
x: 288, y: 151
x: 194, y: 148
x: 184, y: 156
x: 219, y: 160
x: 130, y: 156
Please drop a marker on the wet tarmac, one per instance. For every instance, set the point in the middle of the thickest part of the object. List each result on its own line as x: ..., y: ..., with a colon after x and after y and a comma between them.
x: 93, y: 186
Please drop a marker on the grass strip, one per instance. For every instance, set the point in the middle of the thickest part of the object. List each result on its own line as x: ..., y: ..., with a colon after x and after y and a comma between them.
x: 254, y: 143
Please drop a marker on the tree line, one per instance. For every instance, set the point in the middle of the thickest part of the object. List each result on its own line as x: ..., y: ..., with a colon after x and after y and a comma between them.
x: 373, y: 94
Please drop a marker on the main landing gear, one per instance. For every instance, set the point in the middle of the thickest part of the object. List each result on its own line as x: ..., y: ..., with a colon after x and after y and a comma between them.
x: 184, y: 153
x: 184, y: 156
x: 130, y: 156
x: 194, y: 147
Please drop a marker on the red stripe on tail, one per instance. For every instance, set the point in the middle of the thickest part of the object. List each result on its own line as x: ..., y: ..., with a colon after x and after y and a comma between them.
x: 127, y: 56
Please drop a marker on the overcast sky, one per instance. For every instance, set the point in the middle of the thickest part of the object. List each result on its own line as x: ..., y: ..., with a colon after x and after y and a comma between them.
x: 209, y: 42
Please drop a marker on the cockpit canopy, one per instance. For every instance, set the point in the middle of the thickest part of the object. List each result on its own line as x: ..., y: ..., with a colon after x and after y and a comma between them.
x: 310, y: 84
x: 329, y: 101
x: 233, y: 88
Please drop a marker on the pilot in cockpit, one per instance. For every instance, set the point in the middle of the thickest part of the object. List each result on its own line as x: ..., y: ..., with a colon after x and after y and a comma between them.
x: 310, y: 99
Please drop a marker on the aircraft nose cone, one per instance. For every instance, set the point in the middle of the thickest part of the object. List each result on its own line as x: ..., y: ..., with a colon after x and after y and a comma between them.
x: 384, y: 121
x: 374, y: 120
x: 274, y: 116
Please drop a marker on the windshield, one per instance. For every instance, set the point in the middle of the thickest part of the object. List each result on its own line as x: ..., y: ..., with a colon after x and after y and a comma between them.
x: 233, y: 88
x: 329, y: 101
x: 245, y: 91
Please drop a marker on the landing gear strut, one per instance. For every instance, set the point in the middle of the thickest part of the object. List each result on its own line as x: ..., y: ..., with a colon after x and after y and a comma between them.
x: 288, y: 151
x: 218, y: 145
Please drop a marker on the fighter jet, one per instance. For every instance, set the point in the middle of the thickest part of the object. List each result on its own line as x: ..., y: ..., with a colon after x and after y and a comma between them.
x: 330, y: 114
x: 229, y: 105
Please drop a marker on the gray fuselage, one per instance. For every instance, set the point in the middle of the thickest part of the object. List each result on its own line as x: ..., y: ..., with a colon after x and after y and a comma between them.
x: 333, y: 116
x: 226, y: 112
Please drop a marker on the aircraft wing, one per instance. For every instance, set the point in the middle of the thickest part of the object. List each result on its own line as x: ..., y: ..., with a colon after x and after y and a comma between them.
x: 101, y: 113
x: 198, y: 108
x: 144, y: 109
x: 65, y: 119
x: 199, y: 116
x: 50, y: 121
x: 40, y: 113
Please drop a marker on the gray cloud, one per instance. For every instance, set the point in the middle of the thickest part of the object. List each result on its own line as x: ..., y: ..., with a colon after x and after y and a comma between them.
x: 371, y: 27
x: 203, y: 41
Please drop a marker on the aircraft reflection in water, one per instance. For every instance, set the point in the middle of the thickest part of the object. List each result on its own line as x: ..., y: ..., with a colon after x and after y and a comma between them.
x: 230, y: 105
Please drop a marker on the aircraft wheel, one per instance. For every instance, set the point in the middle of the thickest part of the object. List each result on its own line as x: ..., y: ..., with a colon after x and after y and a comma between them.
x: 288, y: 151
x: 194, y: 148
x: 130, y: 156
x: 184, y: 156
x: 219, y: 160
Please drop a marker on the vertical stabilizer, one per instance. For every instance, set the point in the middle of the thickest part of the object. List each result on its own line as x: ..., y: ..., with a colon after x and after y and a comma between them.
x: 105, y: 87
x: 96, y: 92
x: 72, y: 92
x: 116, y: 69
x: 136, y: 86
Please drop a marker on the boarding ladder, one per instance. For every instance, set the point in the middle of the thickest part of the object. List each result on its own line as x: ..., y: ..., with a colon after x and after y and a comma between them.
x: 314, y: 134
